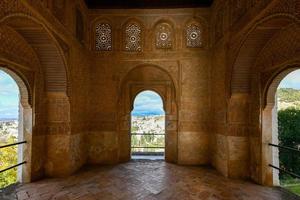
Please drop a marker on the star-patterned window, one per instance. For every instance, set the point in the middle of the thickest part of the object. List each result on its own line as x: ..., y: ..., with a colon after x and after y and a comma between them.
x: 163, y: 36
x: 133, y: 37
x: 193, y: 36
x: 103, y: 37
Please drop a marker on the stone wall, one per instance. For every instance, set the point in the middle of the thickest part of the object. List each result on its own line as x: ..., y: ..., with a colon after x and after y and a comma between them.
x: 187, y: 67
x: 243, y: 33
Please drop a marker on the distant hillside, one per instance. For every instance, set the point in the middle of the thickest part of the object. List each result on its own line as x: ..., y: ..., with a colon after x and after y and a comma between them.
x: 288, y: 97
x: 8, y: 119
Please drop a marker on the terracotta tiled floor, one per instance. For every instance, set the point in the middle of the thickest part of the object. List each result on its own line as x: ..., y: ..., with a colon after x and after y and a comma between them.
x: 149, y: 180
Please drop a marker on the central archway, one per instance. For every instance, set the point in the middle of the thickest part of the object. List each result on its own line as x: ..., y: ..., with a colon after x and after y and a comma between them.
x: 138, y: 79
x: 148, y: 126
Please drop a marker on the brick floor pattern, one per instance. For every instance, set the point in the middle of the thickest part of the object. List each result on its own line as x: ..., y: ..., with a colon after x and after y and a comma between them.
x: 145, y: 180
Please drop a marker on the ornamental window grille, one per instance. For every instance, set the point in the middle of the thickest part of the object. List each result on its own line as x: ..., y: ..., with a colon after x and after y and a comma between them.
x: 164, y: 36
x: 133, y: 37
x: 103, y: 37
x: 193, y: 36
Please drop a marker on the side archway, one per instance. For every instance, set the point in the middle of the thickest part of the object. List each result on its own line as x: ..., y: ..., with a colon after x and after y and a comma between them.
x: 270, y: 155
x: 25, y: 124
x: 247, y: 76
x: 51, y: 89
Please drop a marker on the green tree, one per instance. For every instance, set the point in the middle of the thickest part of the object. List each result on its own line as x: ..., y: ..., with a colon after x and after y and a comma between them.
x: 8, y: 157
x: 289, y: 135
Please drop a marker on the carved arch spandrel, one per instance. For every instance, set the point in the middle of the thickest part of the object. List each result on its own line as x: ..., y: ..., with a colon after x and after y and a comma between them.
x: 37, y: 36
x: 244, y: 58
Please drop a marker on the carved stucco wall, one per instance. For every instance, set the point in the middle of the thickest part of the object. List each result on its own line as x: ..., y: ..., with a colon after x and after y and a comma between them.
x: 37, y: 50
x: 188, y: 68
x: 247, y: 56
x: 218, y: 86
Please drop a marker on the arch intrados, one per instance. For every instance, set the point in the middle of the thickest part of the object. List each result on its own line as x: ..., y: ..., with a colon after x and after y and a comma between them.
x: 276, y: 36
x: 38, y: 24
x: 35, y: 23
x: 9, y: 20
x: 266, y: 20
x: 252, y: 30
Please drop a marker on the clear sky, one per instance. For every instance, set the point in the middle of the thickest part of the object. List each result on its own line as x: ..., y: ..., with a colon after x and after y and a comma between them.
x: 148, y: 103
x: 9, y: 97
x: 292, y: 80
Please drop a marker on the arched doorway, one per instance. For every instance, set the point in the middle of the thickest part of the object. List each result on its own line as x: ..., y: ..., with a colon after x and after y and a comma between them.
x: 281, y: 117
x: 148, y: 126
x: 141, y: 78
x: 15, y: 129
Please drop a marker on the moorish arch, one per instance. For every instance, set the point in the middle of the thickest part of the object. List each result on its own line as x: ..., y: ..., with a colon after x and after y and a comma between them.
x: 269, y: 122
x: 264, y: 51
x: 45, y: 68
x: 154, y: 78
x: 244, y: 115
x: 276, y: 59
x: 24, y: 123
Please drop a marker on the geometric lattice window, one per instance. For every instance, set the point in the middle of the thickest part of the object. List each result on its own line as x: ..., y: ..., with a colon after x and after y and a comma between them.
x: 103, y: 37
x: 133, y: 37
x: 164, y: 36
x: 193, y: 36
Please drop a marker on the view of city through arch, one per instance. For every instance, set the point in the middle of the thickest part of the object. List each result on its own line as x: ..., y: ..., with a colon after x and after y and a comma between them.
x: 9, y: 112
x: 288, y: 116
x: 148, y: 126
